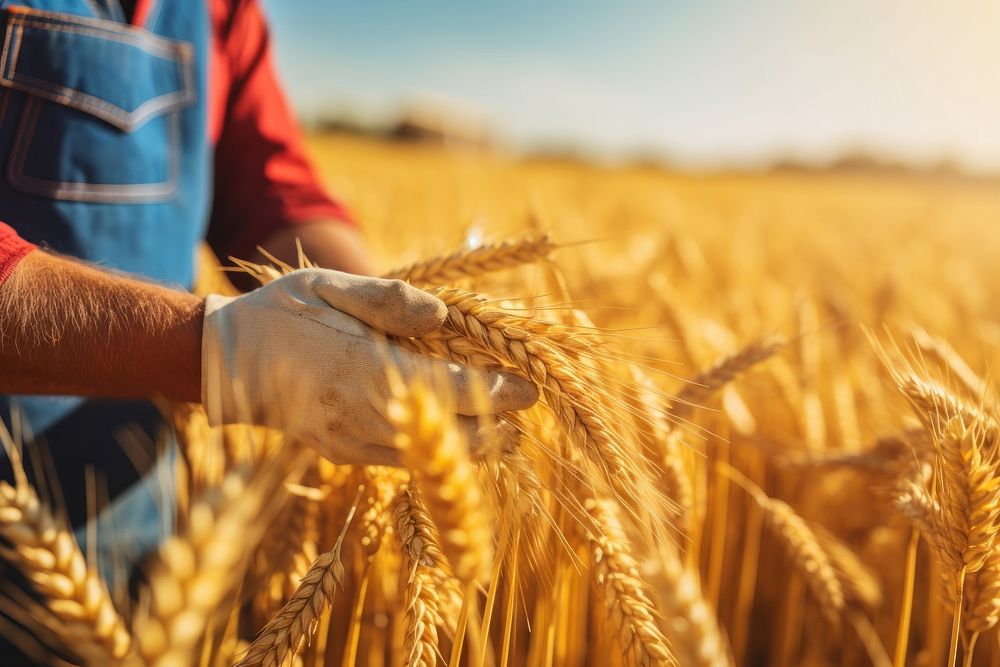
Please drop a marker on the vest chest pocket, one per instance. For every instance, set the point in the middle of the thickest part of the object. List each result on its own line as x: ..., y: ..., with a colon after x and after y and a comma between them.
x: 102, y: 111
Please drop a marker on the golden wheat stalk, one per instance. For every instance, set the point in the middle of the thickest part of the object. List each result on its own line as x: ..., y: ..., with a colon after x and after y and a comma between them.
x: 422, y: 556
x: 625, y: 597
x: 958, y: 508
x: 474, y: 262
x: 935, y: 405
x: 803, y: 547
x: 677, y: 484
x: 519, y: 486
x: 822, y: 572
x: 47, y: 554
x: 942, y: 352
x: 690, y: 623
x: 420, y: 646
x: 924, y: 513
x: 194, y: 580
x: 982, y: 596
x: 727, y: 369
x: 280, y: 563
x: 477, y: 333
x: 283, y: 636
x: 973, y: 595
x: 860, y: 584
x: 663, y: 445
x: 516, y: 493
x: 966, y: 484
x: 381, y: 488
x: 808, y: 556
x: 434, y: 449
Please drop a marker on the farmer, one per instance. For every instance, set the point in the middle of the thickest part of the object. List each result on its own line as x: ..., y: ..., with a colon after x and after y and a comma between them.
x: 129, y: 132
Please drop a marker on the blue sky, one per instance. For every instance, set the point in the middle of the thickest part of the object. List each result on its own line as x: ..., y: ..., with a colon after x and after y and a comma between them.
x: 707, y: 82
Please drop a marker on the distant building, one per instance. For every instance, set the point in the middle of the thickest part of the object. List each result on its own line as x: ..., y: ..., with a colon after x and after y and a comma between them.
x: 442, y: 123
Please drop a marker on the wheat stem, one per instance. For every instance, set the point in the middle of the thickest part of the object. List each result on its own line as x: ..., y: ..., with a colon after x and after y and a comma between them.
x: 869, y: 638
x: 357, y: 609
x: 956, y: 619
x: 970, y: 650
x: 748, y: 578
x: 463, y: 622
x: 717, y: 539
x: 791, y: 625
x: 491, y: 594
x: 512, y: 590
x: 906, y: 605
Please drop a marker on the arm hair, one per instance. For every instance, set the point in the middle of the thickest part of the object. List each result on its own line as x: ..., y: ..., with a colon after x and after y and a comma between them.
x: 69, y: 328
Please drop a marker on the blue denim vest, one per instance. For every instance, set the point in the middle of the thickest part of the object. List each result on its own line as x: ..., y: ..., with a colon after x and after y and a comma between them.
x: 103, y: 135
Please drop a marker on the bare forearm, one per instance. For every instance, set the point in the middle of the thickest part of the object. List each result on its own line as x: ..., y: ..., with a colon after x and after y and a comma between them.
x: 67, y: 328
x: 331, y: 245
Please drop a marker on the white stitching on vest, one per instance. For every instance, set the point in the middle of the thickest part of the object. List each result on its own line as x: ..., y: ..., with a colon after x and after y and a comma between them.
x: 89, y: 192
x: 114, y: 114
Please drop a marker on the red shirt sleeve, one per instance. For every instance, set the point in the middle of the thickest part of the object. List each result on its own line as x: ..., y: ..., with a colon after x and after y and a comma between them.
x: 12, y: 250
x: 263, y: 179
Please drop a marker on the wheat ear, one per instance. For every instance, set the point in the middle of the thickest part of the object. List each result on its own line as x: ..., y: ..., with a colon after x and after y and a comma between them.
x: 473, y: 262
x: 727, y: 369
x: 381, y: 488
x: 520, y: 485
x: 625, y: 596
x: 197, y: 572
x: 958, y: 509
x: 982, y: 596
x: 47, y: 554
x: 934, y: 405
x: 422, y: 555
x: 434, y: 449
x: 970, y: 497
x: 282, y: 638
x: 859, y: 583
x: 280, y: 563
x: 957, y: 505
x: 690, y: 623
x: 801, y: 544
x: 808, y: 556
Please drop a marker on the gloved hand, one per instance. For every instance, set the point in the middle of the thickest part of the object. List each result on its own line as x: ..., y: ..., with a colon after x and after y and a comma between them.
x: 305, y: 354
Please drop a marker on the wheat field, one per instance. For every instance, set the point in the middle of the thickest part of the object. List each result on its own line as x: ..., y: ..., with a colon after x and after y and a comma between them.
x: 767, y: 436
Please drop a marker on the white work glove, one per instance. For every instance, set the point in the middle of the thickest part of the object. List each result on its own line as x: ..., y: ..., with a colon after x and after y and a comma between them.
x: 305, y: 354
